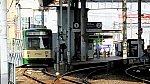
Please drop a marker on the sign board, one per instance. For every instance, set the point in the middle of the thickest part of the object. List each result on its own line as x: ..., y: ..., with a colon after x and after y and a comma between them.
x: 91, y: 27
x: 94, y: 25
x: 76, y: 25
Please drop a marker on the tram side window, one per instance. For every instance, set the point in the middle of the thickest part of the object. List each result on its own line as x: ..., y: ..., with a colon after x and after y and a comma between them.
x: 33, y: 43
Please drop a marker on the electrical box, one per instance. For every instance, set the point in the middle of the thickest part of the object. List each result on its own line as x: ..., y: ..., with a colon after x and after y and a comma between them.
x: 132, y: 47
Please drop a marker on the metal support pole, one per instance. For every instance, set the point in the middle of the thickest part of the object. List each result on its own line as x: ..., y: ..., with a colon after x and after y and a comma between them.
x: 124, y: 18
x: 58, y: 46
x: 69, y: 35
x: 42, y: 17
x: 83, y: 30
x: 58, y: 37
x: 62, y: 58
x: 29, y: 23
x: 77, y: 41
x: 97, y: 49
x: 60, y: 24
x: 139, y: 28
x: 60, y: 19
x: 14, y: 73
x: 20, y: 33
x: 3, y: 43
x: 19, y: 20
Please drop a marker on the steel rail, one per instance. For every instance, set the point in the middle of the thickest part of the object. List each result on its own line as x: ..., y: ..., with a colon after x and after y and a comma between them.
x: 33, y: 78
x: 84, y: 80
x: 142, y: 79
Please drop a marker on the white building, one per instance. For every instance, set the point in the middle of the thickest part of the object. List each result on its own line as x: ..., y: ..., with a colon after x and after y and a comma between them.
x: 109, y: 13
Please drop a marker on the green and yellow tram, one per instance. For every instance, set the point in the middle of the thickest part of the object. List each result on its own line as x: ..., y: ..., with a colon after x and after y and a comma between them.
x: 37, y: 46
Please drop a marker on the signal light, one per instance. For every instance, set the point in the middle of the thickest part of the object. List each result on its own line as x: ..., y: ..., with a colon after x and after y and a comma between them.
x: 140, y: 30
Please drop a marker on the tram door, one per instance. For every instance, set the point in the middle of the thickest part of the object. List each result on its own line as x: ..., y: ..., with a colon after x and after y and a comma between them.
x: 132, y: 45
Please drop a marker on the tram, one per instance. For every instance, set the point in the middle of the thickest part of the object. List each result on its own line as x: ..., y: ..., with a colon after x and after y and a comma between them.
x: 37, y: 46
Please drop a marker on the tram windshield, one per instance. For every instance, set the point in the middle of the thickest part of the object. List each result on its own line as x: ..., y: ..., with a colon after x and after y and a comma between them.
x: 38, y: 42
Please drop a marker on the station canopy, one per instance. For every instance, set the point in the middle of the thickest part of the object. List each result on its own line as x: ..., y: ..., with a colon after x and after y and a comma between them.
x: 116, y: 0
x: 46, y: 3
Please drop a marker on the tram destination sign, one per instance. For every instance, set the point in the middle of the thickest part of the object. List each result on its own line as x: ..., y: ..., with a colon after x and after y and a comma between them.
x: 36, y: 33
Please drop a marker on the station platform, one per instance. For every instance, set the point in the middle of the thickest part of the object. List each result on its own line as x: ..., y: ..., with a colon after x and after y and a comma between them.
x: 98, y: 60
x: 112, y: 61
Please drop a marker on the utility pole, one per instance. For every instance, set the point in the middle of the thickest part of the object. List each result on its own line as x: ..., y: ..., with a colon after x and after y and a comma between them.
x: 68, y: 35
x: 139, y: 30
x: 83, y: 31
x: 124, y: 20
x: 3, y: 43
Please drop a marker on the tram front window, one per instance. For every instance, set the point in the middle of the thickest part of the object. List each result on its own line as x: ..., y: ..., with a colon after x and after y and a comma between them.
x: 38, y: 43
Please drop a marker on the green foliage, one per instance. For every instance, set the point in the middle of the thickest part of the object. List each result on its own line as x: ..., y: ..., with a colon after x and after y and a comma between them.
x: 100, y: 41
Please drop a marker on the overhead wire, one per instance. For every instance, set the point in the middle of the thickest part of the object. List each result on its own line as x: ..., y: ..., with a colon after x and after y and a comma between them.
x: 10, y: 6
x: 17, y: 1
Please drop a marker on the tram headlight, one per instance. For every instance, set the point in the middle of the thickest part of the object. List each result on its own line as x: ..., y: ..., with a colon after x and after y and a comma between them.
x: 46, y: 52
x: 28, y: 52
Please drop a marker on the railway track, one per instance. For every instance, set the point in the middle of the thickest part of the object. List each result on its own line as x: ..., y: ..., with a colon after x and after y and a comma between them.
x: 79, y: 76
x: 139, y: 72
x: 87, y: 75
x: 37, y: 76
x: 27, y: 74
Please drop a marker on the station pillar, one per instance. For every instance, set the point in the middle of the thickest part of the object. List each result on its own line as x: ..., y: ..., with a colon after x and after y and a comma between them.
x: 3, y: 43
x: 84, y: 35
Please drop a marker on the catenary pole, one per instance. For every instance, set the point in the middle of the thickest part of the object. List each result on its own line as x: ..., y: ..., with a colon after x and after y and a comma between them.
x: 69, y: 35
x: 139, y: 29
x: 3, y: 43
x: 124, y: 21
